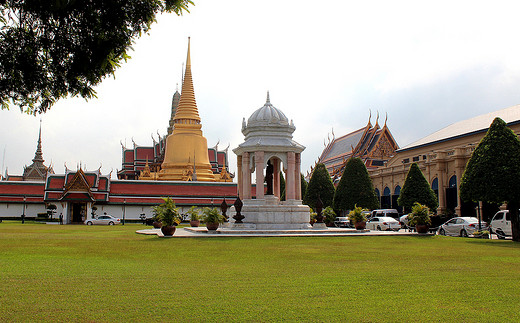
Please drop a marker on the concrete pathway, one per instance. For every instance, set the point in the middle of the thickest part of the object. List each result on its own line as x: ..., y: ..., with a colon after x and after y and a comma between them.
x: 202, y: 232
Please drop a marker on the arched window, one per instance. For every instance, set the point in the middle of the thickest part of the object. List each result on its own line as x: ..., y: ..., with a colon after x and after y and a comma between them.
x: 435, y: 184
x: 453, y: 182
x: 397, y: 190
x: 377, y: 193
x: 386, y: 191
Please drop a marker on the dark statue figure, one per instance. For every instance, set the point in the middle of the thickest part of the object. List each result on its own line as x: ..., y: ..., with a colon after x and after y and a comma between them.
x: 269, y: 178
x: 223, y: 208
x: 238, y: 208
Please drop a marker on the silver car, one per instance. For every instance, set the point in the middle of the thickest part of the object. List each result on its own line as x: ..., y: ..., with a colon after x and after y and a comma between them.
x: 383, y: 223
x: 103, y: 219
x: 461, y: 227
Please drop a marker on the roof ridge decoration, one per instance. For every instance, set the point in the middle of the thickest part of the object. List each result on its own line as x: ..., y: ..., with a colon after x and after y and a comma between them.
x: 77, y: 183
x: 187, y: 111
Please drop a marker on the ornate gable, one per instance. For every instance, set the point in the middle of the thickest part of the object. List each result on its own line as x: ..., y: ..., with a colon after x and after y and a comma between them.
x: 78, y: 184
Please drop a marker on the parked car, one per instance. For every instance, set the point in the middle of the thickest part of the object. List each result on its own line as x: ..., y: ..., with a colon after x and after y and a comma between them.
x: 342, y: 222
x: 403, y: 220
x: 501, y: 224
x: 461, y: 226
x: 385, y: 213
x: 103, y: 219
x: 383, y: 223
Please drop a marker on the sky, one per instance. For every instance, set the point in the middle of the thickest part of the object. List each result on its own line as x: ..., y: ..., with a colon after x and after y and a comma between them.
x: 326, y: 64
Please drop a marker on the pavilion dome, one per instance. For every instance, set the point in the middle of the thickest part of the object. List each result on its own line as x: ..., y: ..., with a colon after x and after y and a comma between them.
x: 268, y: 114
x: 268, y: 128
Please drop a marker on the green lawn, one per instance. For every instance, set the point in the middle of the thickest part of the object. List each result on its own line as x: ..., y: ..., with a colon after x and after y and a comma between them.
x: 97, y: 274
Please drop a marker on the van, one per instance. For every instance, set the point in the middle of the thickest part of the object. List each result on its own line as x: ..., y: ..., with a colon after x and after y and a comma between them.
x: 501, y: 224
x: 385, y: 212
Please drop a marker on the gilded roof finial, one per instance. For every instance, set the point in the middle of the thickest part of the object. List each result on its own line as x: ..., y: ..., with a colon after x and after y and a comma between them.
x: 377, y: 119
x: 386, y: 118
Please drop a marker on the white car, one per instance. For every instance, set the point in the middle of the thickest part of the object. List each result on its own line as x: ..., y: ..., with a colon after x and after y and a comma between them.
x: 383, y: 223
x: 384, y: 213
x: 103, y: 219
x: 461, y: 226
x: 501, y: 224
x: 342, y: 222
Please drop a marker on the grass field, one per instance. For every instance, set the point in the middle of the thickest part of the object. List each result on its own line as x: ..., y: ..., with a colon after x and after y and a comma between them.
x: 101, y: 273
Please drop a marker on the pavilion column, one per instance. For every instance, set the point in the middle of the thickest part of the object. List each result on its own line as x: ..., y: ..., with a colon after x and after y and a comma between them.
x: 246, y: 177
x: 259, y: 163
x: 290, y: 193
x: 460, y: 163
x: 276, y: 177
x: 441, y: 174
x: 239, y: 177
x: 297, y: 177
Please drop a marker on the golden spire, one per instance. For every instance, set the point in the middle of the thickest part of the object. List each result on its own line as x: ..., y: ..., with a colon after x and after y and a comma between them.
x: 187, y: 112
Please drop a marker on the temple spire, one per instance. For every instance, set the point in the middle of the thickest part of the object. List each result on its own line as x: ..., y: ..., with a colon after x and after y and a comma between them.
x: 38, y: 156
x: 187, y: 112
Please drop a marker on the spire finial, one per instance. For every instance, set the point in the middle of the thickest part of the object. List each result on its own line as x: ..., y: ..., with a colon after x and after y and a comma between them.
x: 268, y: 100
x: 187, y: 112
x: 38, y: 156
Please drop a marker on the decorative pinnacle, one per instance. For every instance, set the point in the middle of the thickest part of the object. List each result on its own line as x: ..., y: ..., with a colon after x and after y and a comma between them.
x: 38, y: 156
x: 268, y: 100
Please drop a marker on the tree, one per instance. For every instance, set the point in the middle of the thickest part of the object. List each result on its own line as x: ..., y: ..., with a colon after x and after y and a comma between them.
x: 303, y: 185
x: 355, y: 188
x: 282, y: 187
x: 493, y: 171
x: 417, y: 190
x: 319, y: 184
x: 52, y: 49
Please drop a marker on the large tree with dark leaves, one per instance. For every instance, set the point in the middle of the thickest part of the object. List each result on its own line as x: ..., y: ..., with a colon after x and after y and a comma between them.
x: 320, y: 185
x: 52, y: 49
x: 493, y: 172
x: 416, y: 190
x: 355, y: 188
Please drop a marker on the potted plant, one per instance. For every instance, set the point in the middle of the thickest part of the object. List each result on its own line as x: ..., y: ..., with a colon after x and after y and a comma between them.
x: 358, y: 218
x: 484, y: 234
x: 194, y: 216
x: 212, y: 218
x: 420, y: 218
x: 168, y: 215
x: 312, y: 217
x: 329, y: 216
x: 156, y: 218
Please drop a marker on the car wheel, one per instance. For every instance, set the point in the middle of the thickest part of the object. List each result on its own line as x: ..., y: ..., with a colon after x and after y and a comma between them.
x: 89, y: 223
x: 500, y: 234
x: 110, y: 223
x: 442, y: 232
x: 378, y: 228
x: 463, y: 233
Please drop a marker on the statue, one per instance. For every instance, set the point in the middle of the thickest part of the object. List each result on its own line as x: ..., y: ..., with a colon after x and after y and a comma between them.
x: 269, y: 178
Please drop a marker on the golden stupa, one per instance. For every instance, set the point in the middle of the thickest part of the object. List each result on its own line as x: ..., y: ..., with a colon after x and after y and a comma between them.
x: 186, y: 154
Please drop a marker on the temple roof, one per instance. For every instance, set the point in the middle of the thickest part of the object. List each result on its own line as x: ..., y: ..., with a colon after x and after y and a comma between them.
x: 37, y: 170
x: 467, y: 127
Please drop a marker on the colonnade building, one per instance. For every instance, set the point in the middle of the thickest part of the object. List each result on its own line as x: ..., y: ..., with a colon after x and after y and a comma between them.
x: 442, y: 157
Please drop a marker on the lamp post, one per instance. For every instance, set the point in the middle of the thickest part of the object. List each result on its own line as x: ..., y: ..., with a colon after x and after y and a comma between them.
x: 124, y: 210
x: 23, y: 213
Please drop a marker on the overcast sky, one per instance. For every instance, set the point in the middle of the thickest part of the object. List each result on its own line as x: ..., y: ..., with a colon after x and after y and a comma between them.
x: 427, y: 64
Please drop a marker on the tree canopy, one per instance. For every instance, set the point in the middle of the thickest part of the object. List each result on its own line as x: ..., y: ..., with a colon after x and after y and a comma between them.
x: 417, y: 190
x: 493, y: 170
x: 355, y: 188
x: 52, y: 49
x: 320, y: 185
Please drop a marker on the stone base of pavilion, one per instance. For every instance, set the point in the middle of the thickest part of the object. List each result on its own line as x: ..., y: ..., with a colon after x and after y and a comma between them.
x: 270, y: 213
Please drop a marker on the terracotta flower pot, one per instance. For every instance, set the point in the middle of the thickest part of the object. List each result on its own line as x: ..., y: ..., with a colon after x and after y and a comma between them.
x: 212, y: 225
x: 194, y: 223
x: 422, y: 228
x: 157, y: 225
x: 330, y: 224
x: 168, y: 230
x: 360, y: 225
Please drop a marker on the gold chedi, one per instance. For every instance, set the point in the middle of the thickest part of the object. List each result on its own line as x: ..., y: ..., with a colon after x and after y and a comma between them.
x: 186, y: 153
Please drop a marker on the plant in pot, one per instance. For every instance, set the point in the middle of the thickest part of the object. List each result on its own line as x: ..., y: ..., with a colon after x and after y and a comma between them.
x: 329, y: 216
x: 194, y: 216
x: 357, y: 217
x: 168, y: 215
x: 212, y: 218
x: 312, y: 217
x: 420, y: 218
